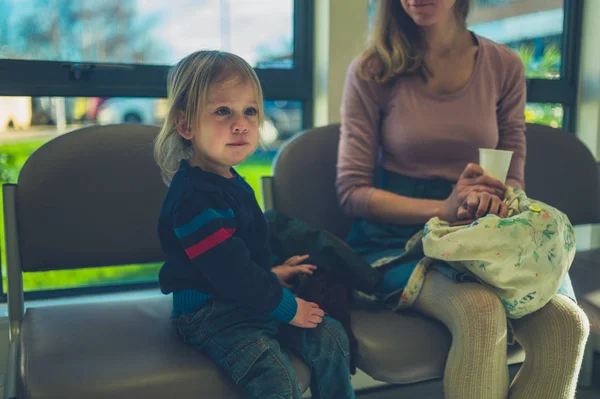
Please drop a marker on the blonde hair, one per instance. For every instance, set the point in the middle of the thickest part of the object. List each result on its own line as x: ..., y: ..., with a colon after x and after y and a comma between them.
x: 396, y: 46
x: 188, y: 83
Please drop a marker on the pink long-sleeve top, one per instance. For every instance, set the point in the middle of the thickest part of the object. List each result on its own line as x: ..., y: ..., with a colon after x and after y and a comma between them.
x: 409, y: 130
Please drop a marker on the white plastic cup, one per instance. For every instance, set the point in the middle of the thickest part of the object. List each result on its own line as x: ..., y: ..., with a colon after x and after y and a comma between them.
x: 495, y: 163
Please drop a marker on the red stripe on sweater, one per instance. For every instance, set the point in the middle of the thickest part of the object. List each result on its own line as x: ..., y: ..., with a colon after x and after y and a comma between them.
x: 209, y: 242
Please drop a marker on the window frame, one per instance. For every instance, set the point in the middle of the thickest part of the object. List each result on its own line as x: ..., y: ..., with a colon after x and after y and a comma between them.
x: 73, y: 79
x: 88, y: 79
x: 564, y: 90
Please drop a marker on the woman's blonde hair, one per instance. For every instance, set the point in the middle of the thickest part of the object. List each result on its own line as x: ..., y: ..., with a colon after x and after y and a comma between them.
x: 396, y: 46
x: 188, y: 83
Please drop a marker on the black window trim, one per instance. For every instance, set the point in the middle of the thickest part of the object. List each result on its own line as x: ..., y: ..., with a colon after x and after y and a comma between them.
x: 563, y: 90
x: 55, y: 78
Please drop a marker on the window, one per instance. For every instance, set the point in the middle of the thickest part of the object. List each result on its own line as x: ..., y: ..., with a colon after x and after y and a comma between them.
x: 147, y: 31
x: 550, y: 114
x: 72, y: 63
x: 546, y: 34
x: 27, y: 123
x: 122, y: 47
x: 534, y: 29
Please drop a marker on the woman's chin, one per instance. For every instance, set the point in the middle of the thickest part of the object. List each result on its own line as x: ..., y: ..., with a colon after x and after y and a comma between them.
x: 424, y: 20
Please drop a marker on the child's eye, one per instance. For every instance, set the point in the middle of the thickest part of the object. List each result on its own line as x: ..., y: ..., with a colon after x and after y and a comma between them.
x: 251, y: 111
x: 223, y: 111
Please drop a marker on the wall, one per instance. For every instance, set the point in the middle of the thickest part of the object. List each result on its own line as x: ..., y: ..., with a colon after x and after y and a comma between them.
x: 340, y: 29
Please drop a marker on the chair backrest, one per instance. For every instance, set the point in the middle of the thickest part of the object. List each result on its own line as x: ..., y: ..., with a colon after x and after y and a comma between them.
x: 560, y: 171
x: 304, y: 179
x: 89, y: 198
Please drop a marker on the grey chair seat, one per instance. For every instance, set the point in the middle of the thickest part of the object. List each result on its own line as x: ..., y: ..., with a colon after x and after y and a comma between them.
x: 126, y: 349
x: 404, y: 348
x: 129, y: 349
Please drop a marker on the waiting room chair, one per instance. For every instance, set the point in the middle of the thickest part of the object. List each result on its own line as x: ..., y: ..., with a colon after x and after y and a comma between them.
x: 406, y: 347
x: 562, y: 172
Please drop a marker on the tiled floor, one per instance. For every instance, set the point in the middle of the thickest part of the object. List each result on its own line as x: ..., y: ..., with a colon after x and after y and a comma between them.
x: 432, y: 391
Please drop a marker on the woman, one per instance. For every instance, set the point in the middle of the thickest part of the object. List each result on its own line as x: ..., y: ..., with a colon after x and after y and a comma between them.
x: 417, y: 105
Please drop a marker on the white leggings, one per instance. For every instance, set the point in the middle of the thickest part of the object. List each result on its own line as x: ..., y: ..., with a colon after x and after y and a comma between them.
x: 553, y: 338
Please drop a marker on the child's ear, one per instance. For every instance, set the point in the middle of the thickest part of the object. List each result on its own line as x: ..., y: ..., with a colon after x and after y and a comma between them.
x: 183, y: 128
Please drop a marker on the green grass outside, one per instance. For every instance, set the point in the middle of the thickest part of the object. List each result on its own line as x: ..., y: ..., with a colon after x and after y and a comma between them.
x: 12, y: 157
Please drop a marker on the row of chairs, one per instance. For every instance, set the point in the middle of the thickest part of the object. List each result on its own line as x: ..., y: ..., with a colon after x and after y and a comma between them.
x: 91, y: 198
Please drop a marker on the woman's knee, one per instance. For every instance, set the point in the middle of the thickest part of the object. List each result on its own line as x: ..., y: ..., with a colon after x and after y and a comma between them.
x: 560, y: 325
x: 570, y: 316
x: 462, y: 307
x: 478, y: 306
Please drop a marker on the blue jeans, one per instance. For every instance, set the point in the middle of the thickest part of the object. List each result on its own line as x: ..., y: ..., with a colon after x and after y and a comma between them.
x: 248, y: 347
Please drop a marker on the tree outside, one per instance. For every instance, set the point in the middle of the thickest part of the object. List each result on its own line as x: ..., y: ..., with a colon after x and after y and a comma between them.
x: 545, y: 67
x: 66, y: 30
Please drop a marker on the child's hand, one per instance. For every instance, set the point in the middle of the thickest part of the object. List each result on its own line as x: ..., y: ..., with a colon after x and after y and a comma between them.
x: 308, y: 315
x: 291, y: 267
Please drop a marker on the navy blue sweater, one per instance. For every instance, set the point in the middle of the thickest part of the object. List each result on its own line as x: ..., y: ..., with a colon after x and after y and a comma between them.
x: 216, y: 241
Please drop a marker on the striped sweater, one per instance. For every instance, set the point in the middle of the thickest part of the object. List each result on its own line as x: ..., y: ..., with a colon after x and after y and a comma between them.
x: 216, y: 241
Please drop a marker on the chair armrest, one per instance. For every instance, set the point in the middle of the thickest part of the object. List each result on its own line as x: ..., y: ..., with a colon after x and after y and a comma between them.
x: 12, y: 367
x: 267, y: 192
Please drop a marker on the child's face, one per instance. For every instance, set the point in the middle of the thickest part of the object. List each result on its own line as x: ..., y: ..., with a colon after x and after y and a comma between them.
x: 228, y: 130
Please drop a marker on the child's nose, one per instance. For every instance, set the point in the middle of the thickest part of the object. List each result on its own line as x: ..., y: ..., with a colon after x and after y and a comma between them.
x: 240, y: 126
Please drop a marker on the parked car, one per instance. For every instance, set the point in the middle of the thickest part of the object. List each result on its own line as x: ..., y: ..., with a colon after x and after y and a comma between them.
x: 127, y: 110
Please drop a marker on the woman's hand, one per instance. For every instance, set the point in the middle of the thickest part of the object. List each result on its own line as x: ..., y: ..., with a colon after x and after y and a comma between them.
x: 471, y: 184
x: 479, y: 204
x: 291, y: 267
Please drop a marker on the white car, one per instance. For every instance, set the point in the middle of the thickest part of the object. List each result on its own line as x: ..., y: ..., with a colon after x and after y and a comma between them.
x: 127, y: 110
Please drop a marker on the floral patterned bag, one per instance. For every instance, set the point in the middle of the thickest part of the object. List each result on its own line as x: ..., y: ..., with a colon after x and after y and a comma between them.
x: 522, y: 258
